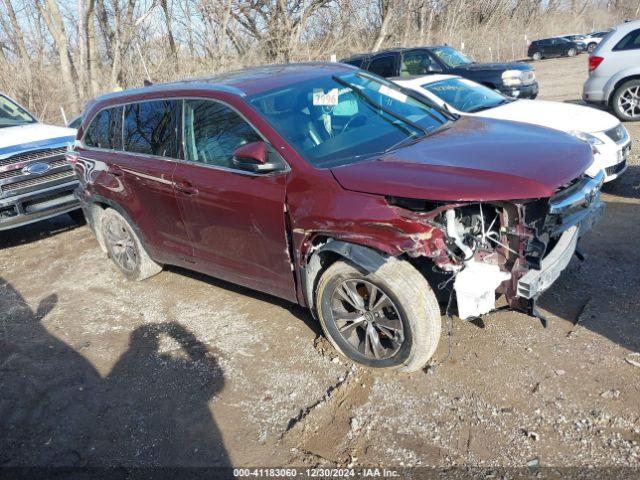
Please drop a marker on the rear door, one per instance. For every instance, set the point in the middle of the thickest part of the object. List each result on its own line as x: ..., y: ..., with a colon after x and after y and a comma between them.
x: 151, y: 149
x: 235, y: 219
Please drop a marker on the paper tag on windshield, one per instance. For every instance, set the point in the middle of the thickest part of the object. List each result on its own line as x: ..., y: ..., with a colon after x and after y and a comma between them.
x: 321, y: 99
x: 390, y: 92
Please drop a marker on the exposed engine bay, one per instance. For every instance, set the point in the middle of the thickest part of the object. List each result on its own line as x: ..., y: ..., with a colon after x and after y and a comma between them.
x: 516, y: 248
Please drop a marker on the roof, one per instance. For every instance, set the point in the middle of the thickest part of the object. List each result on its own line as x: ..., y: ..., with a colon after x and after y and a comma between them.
x: 391, y: 50
x: 248, y: 81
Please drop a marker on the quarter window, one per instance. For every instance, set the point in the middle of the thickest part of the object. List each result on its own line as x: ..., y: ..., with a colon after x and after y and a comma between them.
x: 383, y: 66
x: 213, y: 131
x: 105, y: 131
x: 631, y: 41
x: 152, y: 128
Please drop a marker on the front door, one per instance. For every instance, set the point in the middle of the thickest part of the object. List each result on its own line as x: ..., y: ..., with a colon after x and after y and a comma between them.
x: 235, y: 219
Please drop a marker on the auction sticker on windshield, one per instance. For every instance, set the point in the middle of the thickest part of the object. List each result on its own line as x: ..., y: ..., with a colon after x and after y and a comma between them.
x: 329, y: 99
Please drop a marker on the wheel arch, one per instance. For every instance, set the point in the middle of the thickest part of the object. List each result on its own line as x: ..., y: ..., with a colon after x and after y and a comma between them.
x: 617, y: 80
x: 93, y: 209
x: 329, y: 250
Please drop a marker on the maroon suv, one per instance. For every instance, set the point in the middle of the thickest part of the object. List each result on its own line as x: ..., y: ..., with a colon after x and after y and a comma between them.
x: 338, y: 190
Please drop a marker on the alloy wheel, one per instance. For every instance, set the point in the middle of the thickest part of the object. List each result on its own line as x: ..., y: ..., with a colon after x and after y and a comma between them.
x: 367, y: 319
x: 122, y: 246
x: 629, y: 101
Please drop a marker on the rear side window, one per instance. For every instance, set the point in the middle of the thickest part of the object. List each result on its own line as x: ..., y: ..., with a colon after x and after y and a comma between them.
x: 383, y: 66
x: 152, y: 128
x: 631, y: 41
x: 213, y: 131
x: 105, y: 130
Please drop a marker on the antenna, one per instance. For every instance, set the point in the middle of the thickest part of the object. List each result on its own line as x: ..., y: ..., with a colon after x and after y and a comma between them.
x: 144, y: 64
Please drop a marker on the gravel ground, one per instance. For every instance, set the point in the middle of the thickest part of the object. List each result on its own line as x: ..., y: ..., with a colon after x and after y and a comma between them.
x: 187, y: 370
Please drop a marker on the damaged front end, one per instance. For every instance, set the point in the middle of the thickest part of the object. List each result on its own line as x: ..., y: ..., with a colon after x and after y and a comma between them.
x: 517, y: 248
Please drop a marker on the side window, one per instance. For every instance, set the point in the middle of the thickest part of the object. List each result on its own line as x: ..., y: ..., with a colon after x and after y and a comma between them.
x: 415, y: 63
x: 631, y: 41
x: 383, y: 66
x: 213, y: 131
x: 152, y: 128
x: 105, y: 131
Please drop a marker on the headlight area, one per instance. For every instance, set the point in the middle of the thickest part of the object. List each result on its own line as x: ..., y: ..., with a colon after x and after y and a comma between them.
x: 512, y: 78
x: 587, y: 137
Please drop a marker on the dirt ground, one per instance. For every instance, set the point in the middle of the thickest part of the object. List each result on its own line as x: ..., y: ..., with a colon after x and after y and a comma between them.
x: 188, y: 370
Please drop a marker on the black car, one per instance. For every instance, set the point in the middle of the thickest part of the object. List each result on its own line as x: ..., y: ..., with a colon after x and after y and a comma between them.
x: 553, y: 47
x: 580, y: 41
x: 513, y: 79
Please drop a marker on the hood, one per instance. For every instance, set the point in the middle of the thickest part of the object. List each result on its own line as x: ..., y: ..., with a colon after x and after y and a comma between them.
x: 474, y: 160
x: 561, y: 116
x: 32, y: 136
x: 498, y: 67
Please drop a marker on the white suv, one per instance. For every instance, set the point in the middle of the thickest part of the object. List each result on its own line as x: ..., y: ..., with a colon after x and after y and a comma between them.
x: 614, y: 72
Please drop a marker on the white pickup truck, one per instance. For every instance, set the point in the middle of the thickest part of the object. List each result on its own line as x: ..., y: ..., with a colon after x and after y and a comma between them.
x: 36, y: 181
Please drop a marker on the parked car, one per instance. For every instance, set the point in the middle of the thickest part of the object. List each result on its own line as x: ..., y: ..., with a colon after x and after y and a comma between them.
x: 552, y: 47
x: 609, y: 139
x: 579, y: 40
x: 594, y: 38
x: 36, y: 182
x: 335, y: 189
x: 515, y: 79
x: 614, y: 72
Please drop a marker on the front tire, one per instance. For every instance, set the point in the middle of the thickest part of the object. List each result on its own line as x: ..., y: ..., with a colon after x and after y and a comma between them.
x: 591, y: 47
x: 626, y: 101
x: 387, y: 319
x: 124, y: 247
x: 572, y: 52
x: 537, y: 56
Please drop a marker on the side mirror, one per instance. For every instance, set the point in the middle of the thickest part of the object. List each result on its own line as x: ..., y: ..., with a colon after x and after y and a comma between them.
x: 433, y: 68
x: 253, y: 157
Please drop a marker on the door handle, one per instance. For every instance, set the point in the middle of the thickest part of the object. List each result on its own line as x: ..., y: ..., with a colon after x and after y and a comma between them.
x: 116, y: 171
x: 186, y: 188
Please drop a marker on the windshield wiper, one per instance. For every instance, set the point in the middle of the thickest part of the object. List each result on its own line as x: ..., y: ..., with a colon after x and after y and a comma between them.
x: 374, y: 104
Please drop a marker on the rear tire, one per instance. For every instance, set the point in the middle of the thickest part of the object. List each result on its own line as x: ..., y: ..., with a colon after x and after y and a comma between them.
x: 572, y: 52
x: 124, y: 247
x: 391, y: 321
x: 537, y: 56
x: 591, y: 47
x: 626, y: 101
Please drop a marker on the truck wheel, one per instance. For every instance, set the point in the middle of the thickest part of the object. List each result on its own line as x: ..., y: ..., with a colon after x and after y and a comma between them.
x: 626, y: 101
x: 591, y: 47
x: 572, y: 52
x: 537, y: 56
x: 124, y: 247
x: 389, y: 318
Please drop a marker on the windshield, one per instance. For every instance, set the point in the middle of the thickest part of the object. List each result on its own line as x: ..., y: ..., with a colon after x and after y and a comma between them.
x: 465, y: 95
x: 337, y: 120
x: 451, y: 57
x: 12, y: 114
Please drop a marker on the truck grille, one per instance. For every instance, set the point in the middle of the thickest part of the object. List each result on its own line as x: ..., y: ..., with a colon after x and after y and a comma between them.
x: 16, y: 173
x: 33, y: 156
x: 32, y: 182
x: 15, y: 180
